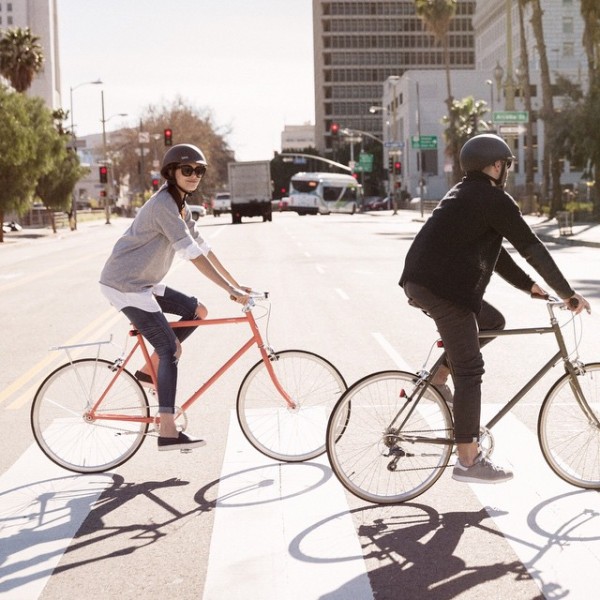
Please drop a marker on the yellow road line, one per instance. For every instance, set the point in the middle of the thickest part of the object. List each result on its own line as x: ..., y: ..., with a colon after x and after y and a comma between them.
x: 45, y: 272
x: 99, y: 325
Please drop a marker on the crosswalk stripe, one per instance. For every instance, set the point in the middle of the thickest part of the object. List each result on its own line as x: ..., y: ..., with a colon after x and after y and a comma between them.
x: 542, y: 517
x: 263, y: 505
x: 41, y: 508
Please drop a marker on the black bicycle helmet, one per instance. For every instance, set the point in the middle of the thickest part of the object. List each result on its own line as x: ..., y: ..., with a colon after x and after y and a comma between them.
x: 178, y: 154
x: 483, y: 150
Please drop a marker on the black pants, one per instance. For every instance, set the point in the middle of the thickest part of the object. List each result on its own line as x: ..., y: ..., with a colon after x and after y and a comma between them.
x: 459, y: 329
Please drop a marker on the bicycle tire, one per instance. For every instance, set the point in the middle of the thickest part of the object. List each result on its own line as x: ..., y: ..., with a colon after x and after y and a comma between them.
x: 370, y: 460
x: 269, y: 425
x: 60, y: 427
x: 569, y: 439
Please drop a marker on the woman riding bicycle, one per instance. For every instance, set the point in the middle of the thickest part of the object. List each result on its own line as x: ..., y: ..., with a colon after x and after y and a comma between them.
x: 447, y: 270
x: 131, y: 279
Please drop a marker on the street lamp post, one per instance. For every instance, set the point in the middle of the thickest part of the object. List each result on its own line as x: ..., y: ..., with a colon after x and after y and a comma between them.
x: 74, y: 142
x: 108, y: 185
x: 491, y: 84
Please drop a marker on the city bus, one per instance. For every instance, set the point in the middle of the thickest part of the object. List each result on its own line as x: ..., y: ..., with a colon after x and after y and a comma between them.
x: 324, y: 193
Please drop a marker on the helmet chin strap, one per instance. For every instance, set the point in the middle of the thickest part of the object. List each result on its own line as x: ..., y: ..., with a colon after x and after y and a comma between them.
x: 501, y: 180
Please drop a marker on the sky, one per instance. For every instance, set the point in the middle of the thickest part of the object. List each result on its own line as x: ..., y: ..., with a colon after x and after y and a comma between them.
x: 247, y: 63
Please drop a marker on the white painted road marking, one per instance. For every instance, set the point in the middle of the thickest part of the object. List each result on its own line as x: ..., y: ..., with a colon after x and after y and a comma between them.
x: 41, y: 508
x: 553, y: 527
x: 272, y: 503
x: 392, y: 353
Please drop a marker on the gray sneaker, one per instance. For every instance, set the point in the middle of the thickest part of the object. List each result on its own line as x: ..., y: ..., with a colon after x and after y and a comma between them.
x: 483, y: 470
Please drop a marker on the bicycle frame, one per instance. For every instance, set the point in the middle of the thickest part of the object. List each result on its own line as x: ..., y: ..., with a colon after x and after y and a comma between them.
x: 254, y: 340
x: 561, y: 354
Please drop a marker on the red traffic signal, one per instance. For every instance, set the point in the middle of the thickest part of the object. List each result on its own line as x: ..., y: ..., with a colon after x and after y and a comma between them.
x: 155, y: 183
x: 168, y: 137
x: 103, y: 172
x: 334, y: 129
x: 397, y: 167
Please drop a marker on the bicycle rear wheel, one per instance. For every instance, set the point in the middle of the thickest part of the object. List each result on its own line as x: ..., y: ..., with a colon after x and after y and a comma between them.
x: 569, y: 438
x: 61, y: 425
x: 380, y: 450
x: 290, y: 435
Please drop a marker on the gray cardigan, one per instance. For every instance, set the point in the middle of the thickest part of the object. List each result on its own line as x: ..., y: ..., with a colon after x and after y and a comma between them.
x: 143, y: 255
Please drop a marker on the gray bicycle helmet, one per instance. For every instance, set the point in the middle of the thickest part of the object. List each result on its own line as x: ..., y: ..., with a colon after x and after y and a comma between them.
x: 483, y: 150
x: 178, y: 154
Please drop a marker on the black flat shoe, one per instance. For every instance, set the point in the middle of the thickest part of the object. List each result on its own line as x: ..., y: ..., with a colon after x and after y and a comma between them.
x: 143, y: 377
x: 181, y: 442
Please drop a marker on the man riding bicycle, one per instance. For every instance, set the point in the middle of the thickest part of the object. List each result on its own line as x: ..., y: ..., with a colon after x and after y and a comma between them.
x: 447, y: 270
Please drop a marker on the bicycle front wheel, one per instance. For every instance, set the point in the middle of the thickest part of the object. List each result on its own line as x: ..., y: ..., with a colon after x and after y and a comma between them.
x: 570, y: 438
x: 67, y: 434
x: 382, y: 446
x: 290, y: 435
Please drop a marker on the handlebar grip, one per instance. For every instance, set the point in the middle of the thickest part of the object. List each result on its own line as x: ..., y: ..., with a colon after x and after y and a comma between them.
x: 540, y: 296
x: 573, y: 302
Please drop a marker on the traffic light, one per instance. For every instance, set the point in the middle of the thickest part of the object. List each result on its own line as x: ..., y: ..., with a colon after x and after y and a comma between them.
x: 168, y: 137
x: 103, y: 171
x: 398, y: 167
x: 391, y: 164
x: 334, y: 129
x: 155, y: 183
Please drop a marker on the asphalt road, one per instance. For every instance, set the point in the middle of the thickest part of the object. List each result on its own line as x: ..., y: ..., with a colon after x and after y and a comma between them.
x: 224, y: 522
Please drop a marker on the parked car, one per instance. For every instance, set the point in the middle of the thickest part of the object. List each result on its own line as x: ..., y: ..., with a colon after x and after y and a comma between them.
x: 382, y: 204
x: 197, y: 211
x: 221, y: 203
x: 370, y: 201
x: 378, y: 203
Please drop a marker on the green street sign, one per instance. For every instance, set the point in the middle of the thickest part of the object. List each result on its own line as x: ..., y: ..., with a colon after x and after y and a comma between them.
x: 365, y: 162
x: 423, y: 142
x: 511, y: 116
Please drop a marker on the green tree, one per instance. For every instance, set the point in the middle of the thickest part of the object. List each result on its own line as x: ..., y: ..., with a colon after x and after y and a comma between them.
x: 55, y: 187
x: 17, y: 141
x: 27, y: 143
x: 437, y: 16
x: 21, y: 57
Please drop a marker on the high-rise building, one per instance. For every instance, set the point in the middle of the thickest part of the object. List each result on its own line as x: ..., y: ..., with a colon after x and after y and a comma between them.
x: 41, y: 18
x: 358, y: 44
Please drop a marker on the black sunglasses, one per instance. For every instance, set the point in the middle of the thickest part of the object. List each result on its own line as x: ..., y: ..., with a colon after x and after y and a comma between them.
x: 187, y: 170
x: 508, y: 163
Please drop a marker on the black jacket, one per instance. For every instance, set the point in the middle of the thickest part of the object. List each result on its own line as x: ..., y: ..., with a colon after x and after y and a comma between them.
x: 460, y: 246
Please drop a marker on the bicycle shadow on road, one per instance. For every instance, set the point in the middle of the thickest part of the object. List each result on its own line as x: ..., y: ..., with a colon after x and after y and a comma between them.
x: 41, y: 515
x: 416, y: 548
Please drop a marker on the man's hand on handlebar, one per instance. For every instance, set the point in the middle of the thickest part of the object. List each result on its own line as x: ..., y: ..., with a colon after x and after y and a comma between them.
x: 576, y: 303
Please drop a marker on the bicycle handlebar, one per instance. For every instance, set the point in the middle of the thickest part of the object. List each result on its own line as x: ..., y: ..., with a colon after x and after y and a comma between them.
x: 572, y: 302
x: 252, y: 298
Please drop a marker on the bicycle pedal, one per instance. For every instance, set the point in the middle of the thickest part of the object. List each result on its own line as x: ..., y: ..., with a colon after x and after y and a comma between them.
x: 185, y: 450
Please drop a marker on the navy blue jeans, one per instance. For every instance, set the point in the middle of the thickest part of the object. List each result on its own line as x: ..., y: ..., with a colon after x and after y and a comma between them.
x: 163, y: 338
x: 459, y: 329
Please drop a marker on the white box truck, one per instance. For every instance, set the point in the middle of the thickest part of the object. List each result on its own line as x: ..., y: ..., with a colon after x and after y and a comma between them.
x: 250, y: 189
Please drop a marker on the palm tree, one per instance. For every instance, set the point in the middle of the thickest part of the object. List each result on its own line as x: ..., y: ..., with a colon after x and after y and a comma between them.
x: 21, y: 57
x: 466, y: 119
x: 526, y: 90
x: 437, y: 16
x: 551, y: 162
x: 590, y: 11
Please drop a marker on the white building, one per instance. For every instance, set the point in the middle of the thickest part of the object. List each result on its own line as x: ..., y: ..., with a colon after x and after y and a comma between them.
x: 414, y: 104
x: 298, y: 137
x: 41, y: 18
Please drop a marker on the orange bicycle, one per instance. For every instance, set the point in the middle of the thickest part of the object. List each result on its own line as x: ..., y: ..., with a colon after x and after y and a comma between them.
x: 92, y: 415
